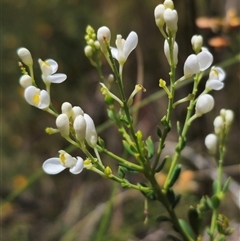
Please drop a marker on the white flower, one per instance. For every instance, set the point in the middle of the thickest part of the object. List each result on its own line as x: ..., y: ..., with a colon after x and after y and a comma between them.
x: 197, y: 42
x: 124, y: 47
x: 171, y: 18
x: 158, y: 14
x: 62, y: 123
x: 204, y: 104
x: 211, y: 143
x: 25, y: 81
x: 216, y: 77
x: 56, y: 165
x: 36, y: 97
x: 25, y: 55
x: 196, y: 63
x: 49, y: 67
x: 167, y: 52
x: 91, y: 133
x: 79, y: 126
x: 103, y: 34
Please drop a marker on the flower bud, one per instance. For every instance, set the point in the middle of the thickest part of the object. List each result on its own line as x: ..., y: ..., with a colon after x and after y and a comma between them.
x: 79, y: 126
x: 211, y: 143
x: 103, y: 34
x: 218, y: 123
x: 197, y: 42
x: 25, y: 81
x: 91, y: 133
x: 62, y: 123
x: 25, y: 55
x: 171, y: 18
x: 229, y: 116
x: 158, y: 14
x: 76, y: 111
x: 67, y: 109
x: 204, y: 104
x: 88, y: 51
x: 168, y: 4
x: 167, y: 52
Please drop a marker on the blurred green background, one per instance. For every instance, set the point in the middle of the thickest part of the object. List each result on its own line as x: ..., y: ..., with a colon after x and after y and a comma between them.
x: 67, y: 207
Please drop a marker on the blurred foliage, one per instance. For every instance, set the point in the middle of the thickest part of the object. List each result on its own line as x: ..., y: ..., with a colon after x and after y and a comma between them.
x: 52, y: 207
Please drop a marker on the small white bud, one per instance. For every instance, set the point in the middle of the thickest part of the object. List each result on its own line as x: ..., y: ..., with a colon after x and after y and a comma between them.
x: 76, y: 111
x: 211, y: 143
x: 103, y: 34
x: 229, y: 117
x: 204, y: 104
x: 167, y: 52
x: 158, y: 14
x: 171, y: 18
x: 218, y: 123
x: 88, y: 51
x: 79, y: 126
x: 62, y: 123
x: 91, y: 133
x: 197, y: 42
x: 25, y: 81
x: 67, y: 109
x: 25, y: 55
x: 168, y: 4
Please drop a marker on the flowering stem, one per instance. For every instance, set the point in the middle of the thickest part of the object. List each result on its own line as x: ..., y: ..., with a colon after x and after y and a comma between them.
x: 167, y: 125
x: 182, y: 135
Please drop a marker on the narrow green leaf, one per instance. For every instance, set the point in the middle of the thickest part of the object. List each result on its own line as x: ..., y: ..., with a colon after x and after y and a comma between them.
x: 194, y: 220
x: 209, y: 203
x: 176, y: 201
x: 186, y: 228
x: 226, y: 185
x: 215, y: 186
x: 175, y: 175
x: 161, y: 166
x: 170, y: 196
x: 128, y: 148
x: 150, y: 147
x: 111, y: 115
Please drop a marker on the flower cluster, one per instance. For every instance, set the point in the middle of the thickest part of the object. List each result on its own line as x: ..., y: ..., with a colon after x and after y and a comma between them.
x: 73, y: 124
x: 221, y: 125
x: 123, y: 47
x: 33, y: 95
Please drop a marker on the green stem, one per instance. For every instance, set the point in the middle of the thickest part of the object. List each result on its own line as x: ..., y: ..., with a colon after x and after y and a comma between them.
x: 121, y: 160
x: 182, y: 136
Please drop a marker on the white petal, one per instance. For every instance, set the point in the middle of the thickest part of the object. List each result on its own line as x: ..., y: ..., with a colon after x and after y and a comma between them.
x: 53, y: 64
x: 56, y: 78
x: 29, y: 94
x: 78, y: 167
x: 191, y: 66
x: 130, y: 44
x: 44, y: 100
x: 76, y: 111
x: 214, y: 84
x: 53, y: 166
x: 62, y: 123
x: 205, y: 60
x: 114, y: 52
x: 66, y: 109
x: 91, y: 134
